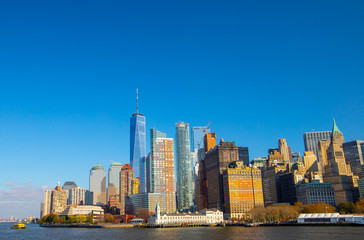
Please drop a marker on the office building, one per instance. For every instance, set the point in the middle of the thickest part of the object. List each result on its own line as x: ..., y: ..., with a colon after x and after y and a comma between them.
x: 143, y: 202
x: 260, y: 162
x: 137, y: 140
x: 270, y: 183
x: 143, y: 174
x: 275, y: 158
x: 164, y: 180
x: 55, y: 201
x: 242, y: 190
x: 209, y: 141
x: 311, y: 193
x: 113, y: 180
x: 126, y: 176
x: 310, y: 161
x: 285, y: 150
x: 354, y: 155
x: 135, y: 186
x: 312, y: 139
x: 244, y: 155
x: 217, y: 160
x: 97, y: 184
x: 184, y: 164
x: 198, y: 134
x: 77, y: 196
x: 296, y: 157
x: 69, y: 185
x: 323, y: 145
x: 154, y: 135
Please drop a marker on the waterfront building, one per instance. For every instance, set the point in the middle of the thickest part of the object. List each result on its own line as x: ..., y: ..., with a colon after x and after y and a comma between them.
x: 286, y: 186
x: 337, y: 172
x: 77, y: 196
x: 97, y: 184
x: 242, y: 189
x: 137, y: 140
x: 164, y: 180
x: 126, y: 176
x: 259, y: 162
x: 310, y: 161
x: 114, y: 179
x: 285, y: 150
x: 143, y: 201
x: 216, y: 161
x: 198, y: 135
x: 320, y: 218
x: 312, y: 139
x: 270, y: 183
x: 154, y: 135
x: 244, y: 155
x: 209, y: 141
x: 135, y: 186
x: 310, y: 193
x: 206, y: 216
x: 361, y: 183
x: 184, y: 164
x: 68, y: 185
x: 72, y: 210
x: 354, y: 155
x: 55, y: 201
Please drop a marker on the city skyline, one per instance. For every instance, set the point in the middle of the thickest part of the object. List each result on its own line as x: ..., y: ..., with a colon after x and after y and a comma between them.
x: 68, y: 83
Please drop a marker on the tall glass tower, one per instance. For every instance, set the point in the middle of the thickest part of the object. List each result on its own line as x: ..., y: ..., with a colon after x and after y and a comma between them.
x: 137, y: 141
x: 198, y: 135
x: 184, y: 166
x: 154, y: 135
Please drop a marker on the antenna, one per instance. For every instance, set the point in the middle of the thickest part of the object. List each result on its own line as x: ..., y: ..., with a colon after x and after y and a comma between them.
x: 137, y: 101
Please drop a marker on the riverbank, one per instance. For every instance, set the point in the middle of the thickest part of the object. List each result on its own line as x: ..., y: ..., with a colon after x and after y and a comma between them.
x: 106, y: 225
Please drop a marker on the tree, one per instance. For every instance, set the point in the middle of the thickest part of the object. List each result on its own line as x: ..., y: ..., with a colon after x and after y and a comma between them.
x: 90, y: 218
x: 346, y: 207
x: 234, y: 219
x: 319, y: 207
x: 144, y: 214
x: 108, y: 217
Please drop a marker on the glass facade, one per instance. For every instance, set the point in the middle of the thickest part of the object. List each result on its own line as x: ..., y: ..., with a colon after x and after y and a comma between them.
x: 97, y: 184
x: 197, y: 137
x: 154, y: 135
x: 311, y: 140
x: 114, y: 179
x: 184, y: 166
x: 137, y: 142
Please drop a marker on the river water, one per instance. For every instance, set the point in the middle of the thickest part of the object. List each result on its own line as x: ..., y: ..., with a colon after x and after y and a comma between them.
x: 33, y: 231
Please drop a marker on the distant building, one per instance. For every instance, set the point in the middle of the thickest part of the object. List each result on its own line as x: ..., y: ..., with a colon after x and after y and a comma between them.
x: 77, y: 196
x: 126, y: 176
x: 312, y: 139
x: 98, y: 184
x: 135, y: 186
x: 275, y: 158
x: 323, y: 145
x: 198, y: 134
x: 55, y: 201
x: 154, y: 135
x: 184, y: 166
x: 69, y: 185
x: 114, y: 179
x: 296, y: 157
x: 89, y: 197
x: 206, y: 216
x: 286, y: 186
x: 260, y: 162
x: 209, y: 141
x: 242, y: 189
x: 310, y: 193
x: 270, y: 183
x: 354, y: 154
x: 285, y: 150
x: 217, y: 160
x: 143, y: 201
x: 244, y: 155
x: 71, y: 210
x: 137, y: 141
x: 310, y: 161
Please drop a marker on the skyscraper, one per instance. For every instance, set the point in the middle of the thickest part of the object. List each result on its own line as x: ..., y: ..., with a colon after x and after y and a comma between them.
x: 98, y: 184
x: 137, y: 141
x: 354, y: 156
x: 184, y: 170
x: 154, y: 135
x: 310, y: 161
x: 198, y: 137
x: 55, y: 201
x: 163, y: 150
x: 312, y: 139
x: 209, y: 141
x: 126, y: 177
x: 113, y: 180
x: 285, y: 150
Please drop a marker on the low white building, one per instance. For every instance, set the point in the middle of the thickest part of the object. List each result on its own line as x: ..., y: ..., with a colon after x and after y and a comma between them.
x: 206, y: 216
x: 77, y: 210
x: 329, y: 218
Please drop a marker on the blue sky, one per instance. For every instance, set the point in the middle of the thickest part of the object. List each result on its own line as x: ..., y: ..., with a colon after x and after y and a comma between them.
x: 258, y: 71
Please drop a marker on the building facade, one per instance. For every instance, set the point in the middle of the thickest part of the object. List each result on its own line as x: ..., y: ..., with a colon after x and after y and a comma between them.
x: 285, y: 150
x: 97, y: 184
x: 126, y: 176
x: 312, y: 139
x: 113, y: 179
x: 244, y: 155
x: 184, y: 166
x: 55, y: 201
x: 354, y: 155
x: 311, y: 193
x: 310, y: 161
x: 77, y: 196
x: 154, y: 135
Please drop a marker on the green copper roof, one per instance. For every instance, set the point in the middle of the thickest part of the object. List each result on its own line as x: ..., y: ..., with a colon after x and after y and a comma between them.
x: 335, y: 128
x: 97, y: 167
x: 116, y: 164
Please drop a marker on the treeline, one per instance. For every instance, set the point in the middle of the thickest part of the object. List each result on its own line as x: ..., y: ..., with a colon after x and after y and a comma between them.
x: 55, y: 219
x: 284, y: 213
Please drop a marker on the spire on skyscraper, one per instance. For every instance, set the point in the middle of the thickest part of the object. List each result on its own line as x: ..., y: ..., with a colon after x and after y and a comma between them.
x: 335, y: 128
x: 137, y: 105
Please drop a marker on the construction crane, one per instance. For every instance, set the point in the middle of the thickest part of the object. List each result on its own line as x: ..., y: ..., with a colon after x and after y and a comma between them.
x: 206, y: 127
x: 204, y: 131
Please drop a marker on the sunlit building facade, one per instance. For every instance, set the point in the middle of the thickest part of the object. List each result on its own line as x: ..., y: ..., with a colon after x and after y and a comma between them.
x: 97, y: 184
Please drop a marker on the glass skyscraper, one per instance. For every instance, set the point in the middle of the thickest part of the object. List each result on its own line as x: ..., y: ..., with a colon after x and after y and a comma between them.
x: 311, y: 140
x: 197, y: 137
x: 154, y: 135
x: 184, y: 166
x: 137, y: 142
x: 98, y: 184
x: 114, y: 179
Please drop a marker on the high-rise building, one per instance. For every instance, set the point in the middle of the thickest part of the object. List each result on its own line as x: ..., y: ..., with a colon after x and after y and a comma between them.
x: 310, y: 161
x: 154, y: 135
x: 137, y: 140
x: 148, y: 162
x: 198, y: 134
x: 55, y: 201
x: 285, y: 150
x: 242, y: 189
x: 323, y: 145
x: 270, y: 183
x: 312, y: 139
x: 164, y: 180
x: 184, y: 164
x: 77, y: 196
x: 143, y: 174
x: 311, y: 193
x: 275, y: 158
x: 337, y: 172
x: 69, y: 185
x: 209, y: 141
x: 354, y: 155
x: 135, y: 186
x: 216, y: 161
x: 244, y: 155
x: 98, y: 184
x: 126, y: 176
x: 260, y: 162
x: 113, y: 180
x: 296, y: 157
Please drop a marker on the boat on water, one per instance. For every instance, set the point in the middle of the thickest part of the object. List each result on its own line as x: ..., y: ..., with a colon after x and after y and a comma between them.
x: 18, y: 226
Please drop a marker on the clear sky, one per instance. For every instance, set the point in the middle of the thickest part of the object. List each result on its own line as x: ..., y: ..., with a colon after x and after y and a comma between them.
x: 258, y: 70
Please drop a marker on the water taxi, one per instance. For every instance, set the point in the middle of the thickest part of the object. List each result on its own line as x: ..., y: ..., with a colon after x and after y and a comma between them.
x: 18, y: 226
